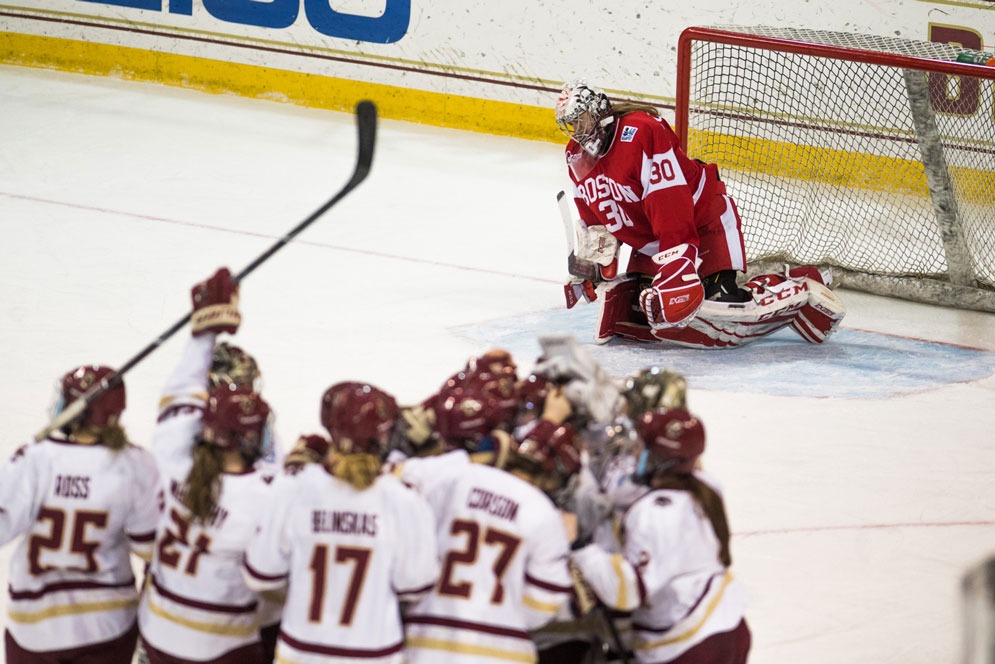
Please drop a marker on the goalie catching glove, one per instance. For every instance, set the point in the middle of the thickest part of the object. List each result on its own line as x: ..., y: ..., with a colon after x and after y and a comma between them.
x: 594, y: 259
x: 676, y: 293
x: 215, y: 305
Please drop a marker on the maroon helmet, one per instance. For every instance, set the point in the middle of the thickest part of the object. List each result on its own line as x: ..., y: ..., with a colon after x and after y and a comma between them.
x: 469, y: 409
x: 78, y: 382
x: 552, y: 449
x: 235, y: 419
x: 358, y: 416
x: 532, y: 393
x: 674, y: 440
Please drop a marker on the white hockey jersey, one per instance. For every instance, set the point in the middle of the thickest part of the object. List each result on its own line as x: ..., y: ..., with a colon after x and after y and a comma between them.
x: 668, y: 574
x: 348, y: 556
x: 196, y: 605
x: 81, y: 509
x: 504, y: 564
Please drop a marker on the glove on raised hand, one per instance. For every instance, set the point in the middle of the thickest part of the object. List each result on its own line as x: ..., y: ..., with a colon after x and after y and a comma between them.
x: 676, y: 293
x: 215, y: 305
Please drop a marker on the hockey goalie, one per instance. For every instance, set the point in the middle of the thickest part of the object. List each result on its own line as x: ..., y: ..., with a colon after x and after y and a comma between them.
x: 633, y: 185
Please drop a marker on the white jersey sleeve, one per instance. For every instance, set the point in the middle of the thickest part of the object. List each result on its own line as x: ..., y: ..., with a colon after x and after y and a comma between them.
x: 18, y: 501
x: 611, y: 576
x: 415, y: 573
x: 268, y: 556
x: 187, y: 385
x: 547, y: 577
x: 146, y: 502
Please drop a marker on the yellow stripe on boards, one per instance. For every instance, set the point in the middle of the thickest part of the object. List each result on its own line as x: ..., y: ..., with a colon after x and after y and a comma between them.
x: 241, y: 631
x: 836, y: 167
x: 336, y: 94
x: 650, y: 645
x: 467, y: 649
x: 782, y: 159
x: 71, y: 610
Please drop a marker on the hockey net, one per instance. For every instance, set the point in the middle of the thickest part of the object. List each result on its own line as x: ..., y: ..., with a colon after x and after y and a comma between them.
x: 872, y: 156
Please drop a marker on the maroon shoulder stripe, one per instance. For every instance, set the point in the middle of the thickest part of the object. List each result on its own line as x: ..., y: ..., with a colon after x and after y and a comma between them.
x: 178, y: 409
x: 198, y: 604
x: 466, y: 624
x: 416, y: 591
x: 259, y: 575
x: 646, y: 628
x: 65, y: 586
x: 641, y: 584
x: 546, y: 585
x: 142, y: 537
x: 339, y: 652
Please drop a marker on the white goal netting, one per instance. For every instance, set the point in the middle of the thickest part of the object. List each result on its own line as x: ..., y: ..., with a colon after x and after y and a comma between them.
x: 871, y: 155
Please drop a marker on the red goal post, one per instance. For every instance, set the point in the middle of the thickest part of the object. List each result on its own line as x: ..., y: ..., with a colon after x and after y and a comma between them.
x: 872, y: 156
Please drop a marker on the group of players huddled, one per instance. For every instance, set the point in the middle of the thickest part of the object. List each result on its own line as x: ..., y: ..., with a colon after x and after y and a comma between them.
x: 560, y: 516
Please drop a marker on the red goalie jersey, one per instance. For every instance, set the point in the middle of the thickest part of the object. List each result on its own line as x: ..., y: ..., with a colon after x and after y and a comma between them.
x: 652, y: 197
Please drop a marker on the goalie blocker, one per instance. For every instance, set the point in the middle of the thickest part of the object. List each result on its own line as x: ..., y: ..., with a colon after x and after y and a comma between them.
x: 799, y: 299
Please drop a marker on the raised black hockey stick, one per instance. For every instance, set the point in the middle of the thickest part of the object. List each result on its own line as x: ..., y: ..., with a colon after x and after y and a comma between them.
x: 366, y: 125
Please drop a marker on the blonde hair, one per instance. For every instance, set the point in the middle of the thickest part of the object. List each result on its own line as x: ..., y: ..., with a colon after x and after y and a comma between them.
x: 622, y: 108
x: 204, y: 481
x: 111, y: 435
x: 359, y: 470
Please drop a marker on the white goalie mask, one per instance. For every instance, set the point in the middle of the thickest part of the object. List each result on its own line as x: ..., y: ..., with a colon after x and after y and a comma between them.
x: 583, y: 113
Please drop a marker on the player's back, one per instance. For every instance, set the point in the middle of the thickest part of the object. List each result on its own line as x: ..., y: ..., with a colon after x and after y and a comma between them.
x: 504, y: 570
x: 81, y: 508
x: 347, y: 555
x: 196, y: 604
x: 689, y: 591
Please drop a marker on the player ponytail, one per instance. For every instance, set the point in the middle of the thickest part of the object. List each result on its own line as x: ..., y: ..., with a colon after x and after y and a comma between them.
x: 710, y: 502
x: 113, y: 437
x: 359, y: 470
x: 621, y: 108
x: 204, y: 481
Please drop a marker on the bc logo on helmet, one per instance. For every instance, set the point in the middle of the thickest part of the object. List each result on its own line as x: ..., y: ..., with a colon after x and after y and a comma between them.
x: 387, y: 28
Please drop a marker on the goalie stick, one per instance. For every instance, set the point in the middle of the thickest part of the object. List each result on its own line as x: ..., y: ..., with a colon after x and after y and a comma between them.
x: 366, y: 126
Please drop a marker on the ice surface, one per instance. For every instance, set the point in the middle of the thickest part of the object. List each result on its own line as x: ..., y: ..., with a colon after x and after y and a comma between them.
x: 858, y: 474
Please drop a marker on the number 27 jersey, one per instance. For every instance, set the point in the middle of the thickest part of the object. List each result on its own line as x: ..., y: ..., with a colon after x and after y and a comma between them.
x: 504, y: 570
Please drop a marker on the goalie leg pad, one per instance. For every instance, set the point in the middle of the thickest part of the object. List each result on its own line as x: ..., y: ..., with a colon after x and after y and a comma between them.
x: 617, y: 300
x: 821, y: 315
x: 732, y: 324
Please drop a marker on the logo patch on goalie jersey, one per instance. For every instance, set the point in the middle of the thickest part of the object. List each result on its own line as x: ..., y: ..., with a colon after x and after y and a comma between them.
x: 628, y: 133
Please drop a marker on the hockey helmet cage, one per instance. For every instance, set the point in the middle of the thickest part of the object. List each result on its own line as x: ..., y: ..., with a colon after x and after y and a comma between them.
x: 652, y: 389
x: 359, y: 417
x: 673, y: 439
x: 78, y: 382
x: 583, y: 113
x: 236, y: 418
x: 230, y: 365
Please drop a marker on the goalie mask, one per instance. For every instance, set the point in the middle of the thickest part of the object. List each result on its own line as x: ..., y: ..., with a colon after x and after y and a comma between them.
x: 237, y: 418
x: 674, y: 440
x: 359, y: 417
x: 105, y: 409
x: 584, y: 113
x: 230, y: 365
